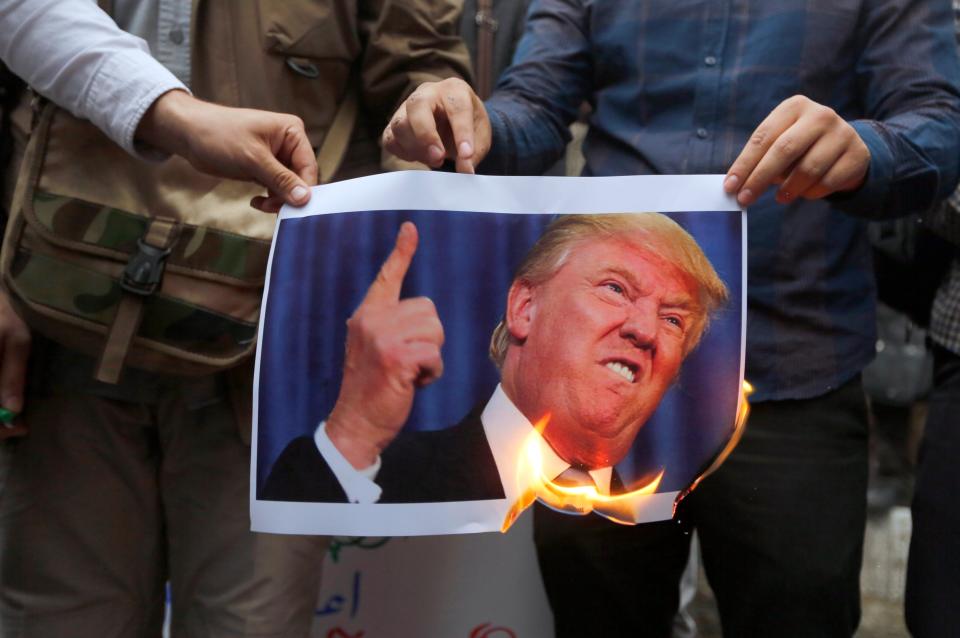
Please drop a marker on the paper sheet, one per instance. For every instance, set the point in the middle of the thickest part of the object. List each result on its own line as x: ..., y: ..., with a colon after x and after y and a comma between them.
x: 597, y: 359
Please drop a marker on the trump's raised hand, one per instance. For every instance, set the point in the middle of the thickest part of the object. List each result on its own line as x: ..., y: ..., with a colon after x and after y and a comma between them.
x: 440, y: 120
x: 393, y: 347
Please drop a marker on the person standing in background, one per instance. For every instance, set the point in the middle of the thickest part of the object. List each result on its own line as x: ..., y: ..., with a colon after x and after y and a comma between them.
x: 114, y: 489
x: 933, y: 566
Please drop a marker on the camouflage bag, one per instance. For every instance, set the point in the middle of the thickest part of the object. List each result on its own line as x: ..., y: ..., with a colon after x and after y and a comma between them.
x: 156, y: 266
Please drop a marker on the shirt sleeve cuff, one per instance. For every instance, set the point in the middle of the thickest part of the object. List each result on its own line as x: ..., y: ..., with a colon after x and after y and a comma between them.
x: 125, y: 87
x: 869, y: 200
x: 496, y: 161
x: 358, y: 485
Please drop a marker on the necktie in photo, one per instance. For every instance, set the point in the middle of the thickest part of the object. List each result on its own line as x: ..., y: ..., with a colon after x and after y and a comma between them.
x: 575, y: 476
x: 582, y: 486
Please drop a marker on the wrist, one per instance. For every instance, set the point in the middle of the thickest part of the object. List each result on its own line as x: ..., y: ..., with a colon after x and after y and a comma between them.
x: 347, y: 435
x: 165, y: 124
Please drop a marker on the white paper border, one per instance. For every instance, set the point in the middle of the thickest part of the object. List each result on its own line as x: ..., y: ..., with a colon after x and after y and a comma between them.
x: 426, y: 190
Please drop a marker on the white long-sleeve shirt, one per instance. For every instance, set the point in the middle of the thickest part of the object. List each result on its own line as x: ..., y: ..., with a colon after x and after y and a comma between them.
x: 74, y: 54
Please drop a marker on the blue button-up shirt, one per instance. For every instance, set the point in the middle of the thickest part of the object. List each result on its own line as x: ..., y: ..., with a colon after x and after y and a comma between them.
x: 677, y: 86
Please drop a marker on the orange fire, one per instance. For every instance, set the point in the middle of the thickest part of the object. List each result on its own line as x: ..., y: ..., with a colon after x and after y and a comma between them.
x: 623, y: 508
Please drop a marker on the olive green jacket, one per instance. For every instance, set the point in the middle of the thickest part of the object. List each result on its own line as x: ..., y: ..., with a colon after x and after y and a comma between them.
x: 298, y: 56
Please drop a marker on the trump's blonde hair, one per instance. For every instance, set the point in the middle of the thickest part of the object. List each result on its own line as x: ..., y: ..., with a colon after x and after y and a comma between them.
x: 654, y: 233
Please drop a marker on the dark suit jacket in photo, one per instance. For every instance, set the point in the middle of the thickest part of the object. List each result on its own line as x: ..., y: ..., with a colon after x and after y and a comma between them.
x: 453, y: 464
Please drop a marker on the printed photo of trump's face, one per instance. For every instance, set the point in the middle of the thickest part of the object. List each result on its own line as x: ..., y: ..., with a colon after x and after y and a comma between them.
x: 597, y: 330
x: 481, y: 361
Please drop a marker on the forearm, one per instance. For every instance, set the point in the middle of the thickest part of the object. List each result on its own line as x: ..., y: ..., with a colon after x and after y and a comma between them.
x: 915, y: 163
x: 73, y: 53
x: 539, y: 96
x: 910, y: 75
x: 526, y: 140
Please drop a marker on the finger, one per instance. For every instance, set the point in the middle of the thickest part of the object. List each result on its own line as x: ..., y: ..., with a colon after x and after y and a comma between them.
x: 779, y: 120
x: 288, y: 168
x: 279, y: 179
x: 388, y: 140
x: 423, y: 128
x: 481, y: 135
x: 300, y: 156
x: 808, y: 171
x: 386, y: 287
x: 458, y: 105
x: 398, y: 139
x: 269, y: 204
x: 428, y: 360
x: 846, y: 174
x: 411, y: 148
x: 779, y: 160
x: 16, y: 352
x: 465, y: 166
x: 419, y: 320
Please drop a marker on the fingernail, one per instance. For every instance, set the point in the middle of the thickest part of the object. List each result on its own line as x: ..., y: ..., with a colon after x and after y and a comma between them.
x: 730, y: 183
x: 745, y: 198
x: 465, y: 149
x: 299, y: 193
x: 465, y: 166
x: 784, y: 196
x: 435, y: 153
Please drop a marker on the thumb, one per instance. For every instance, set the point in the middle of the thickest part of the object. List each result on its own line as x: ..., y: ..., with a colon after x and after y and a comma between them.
x: 281, y: 180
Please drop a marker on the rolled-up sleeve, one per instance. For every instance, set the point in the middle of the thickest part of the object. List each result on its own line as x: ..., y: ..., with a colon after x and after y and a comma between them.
x: 72, y: 53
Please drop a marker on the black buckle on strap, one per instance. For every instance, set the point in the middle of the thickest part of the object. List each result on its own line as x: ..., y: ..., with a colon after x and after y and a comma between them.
x: 143, y: 272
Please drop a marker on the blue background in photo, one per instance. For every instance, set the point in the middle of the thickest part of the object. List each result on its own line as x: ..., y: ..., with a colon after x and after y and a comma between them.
x: 465, y: 262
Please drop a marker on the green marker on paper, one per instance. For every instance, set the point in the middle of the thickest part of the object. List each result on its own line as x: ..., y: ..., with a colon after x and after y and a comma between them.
x: 7, y: 417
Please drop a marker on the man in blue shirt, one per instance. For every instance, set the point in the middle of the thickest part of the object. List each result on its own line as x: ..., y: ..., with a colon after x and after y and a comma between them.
x: 822, y: 114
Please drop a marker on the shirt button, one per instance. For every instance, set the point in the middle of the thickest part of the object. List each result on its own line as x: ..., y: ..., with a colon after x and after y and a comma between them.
x: 710, y: 60
x: 702, y: 133
x: 176, y: 36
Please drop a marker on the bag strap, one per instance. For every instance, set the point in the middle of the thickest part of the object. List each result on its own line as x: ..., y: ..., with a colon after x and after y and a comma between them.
x: 141, y: 279
x: 486, y: 26
x: 334, y: 147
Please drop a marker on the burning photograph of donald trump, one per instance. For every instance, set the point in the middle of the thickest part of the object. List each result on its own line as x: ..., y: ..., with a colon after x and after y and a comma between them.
x: 426, y: 369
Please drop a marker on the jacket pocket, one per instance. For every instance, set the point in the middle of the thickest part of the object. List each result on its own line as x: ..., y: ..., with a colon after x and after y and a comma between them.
x: 315, y: 30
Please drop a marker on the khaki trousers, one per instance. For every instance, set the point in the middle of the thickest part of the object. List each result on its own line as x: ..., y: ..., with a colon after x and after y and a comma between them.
x: 118, y: 489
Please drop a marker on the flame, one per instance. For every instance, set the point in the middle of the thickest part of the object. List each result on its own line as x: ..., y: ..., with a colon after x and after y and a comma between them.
x: 743, y: 411
x: 620, y: 508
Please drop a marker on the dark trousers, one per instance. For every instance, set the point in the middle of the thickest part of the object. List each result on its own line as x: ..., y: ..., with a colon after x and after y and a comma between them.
x: 781, y: 526
x: 117, y: 490
x: 933, y: 570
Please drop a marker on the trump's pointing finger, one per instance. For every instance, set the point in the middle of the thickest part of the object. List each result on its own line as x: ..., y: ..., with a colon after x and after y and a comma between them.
x: 386, y: 287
